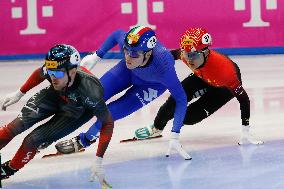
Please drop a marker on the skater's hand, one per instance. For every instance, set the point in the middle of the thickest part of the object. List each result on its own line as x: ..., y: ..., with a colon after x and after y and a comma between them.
x: 175, y: 145
x: 12, y: 98
x: 98, y: 172
x: 85, y: 141
x: 90, y: 61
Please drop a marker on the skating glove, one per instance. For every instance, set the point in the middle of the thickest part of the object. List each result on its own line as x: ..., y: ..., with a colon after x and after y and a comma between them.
x: 98, y: 171
x: 85, y: 141
x: 147, y: 132
x: 12, y: 98
x: 174, y: 144
x: 90, y: 61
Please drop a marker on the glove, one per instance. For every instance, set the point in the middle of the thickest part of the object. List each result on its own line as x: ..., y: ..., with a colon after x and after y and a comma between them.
x: 85, y: 141
x: 90, y: 61
x: 147, y: 132
x: 98, y: 171
x: 175, y: 145
x: 12, y: 98
x: 246, y: 137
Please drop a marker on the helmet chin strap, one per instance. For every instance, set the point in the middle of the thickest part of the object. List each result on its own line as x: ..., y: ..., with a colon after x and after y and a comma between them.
x: 69, y: 80
x: 204, y: 59
x: 144, y: 59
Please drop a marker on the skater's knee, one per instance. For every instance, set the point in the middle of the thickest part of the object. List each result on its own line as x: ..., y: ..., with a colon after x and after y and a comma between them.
x: 15, y: 127
x: 167, y: 108
x: 29, y: 141
x: 193, y: 118
x: 33, y: 140
x: 190, y: 121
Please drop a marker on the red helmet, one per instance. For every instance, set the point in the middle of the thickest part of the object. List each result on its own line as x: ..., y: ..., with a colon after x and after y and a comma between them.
x: 195, y: 39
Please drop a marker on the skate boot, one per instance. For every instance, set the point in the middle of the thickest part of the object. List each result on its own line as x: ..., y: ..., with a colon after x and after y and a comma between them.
x: 247, y: 138
x: 69, y: 146
x: 7, y: 171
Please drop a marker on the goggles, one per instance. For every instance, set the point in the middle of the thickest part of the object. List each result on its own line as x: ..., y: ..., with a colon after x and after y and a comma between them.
x: 192, y: 55
x: 132, y: 54
x: 56, y: 73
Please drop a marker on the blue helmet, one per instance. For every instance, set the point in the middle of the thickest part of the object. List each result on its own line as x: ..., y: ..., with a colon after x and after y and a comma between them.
x: 62, y: 56
x: 140, y: 38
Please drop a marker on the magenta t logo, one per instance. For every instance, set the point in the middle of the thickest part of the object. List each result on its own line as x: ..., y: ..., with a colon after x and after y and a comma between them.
x: 142, y: 11
x: 32, y: 16
x: 255, y: 11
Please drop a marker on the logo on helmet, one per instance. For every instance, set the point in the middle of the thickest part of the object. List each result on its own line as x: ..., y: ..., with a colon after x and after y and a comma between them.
x: 51, y: 64
x: 188, y: 44
x: 187, y: 41
x: 132, y: 38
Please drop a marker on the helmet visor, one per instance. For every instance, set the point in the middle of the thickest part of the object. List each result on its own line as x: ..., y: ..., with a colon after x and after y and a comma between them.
x: 131, y: 53
x: 56, y: 73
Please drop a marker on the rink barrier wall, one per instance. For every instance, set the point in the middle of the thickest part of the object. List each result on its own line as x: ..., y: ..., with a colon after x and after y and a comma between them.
x: 31, y: 27
x: 117, y: 55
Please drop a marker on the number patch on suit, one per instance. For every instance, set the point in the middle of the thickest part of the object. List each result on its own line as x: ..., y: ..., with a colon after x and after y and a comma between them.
x: 150, y: 95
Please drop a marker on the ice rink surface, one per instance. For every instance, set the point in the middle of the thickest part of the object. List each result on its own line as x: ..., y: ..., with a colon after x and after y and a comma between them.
x: 218, y: 162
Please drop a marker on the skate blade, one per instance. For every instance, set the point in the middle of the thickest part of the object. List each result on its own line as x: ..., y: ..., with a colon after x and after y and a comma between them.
x: 134, y: 139
x: 60, y: 154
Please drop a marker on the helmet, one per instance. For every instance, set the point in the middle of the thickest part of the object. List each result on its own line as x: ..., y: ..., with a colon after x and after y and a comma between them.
x: 195, y: 39
x: 62, y: 56
x: 140, y: 38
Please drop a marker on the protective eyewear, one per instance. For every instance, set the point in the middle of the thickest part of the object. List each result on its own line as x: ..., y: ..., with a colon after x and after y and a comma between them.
x: 193, y: 55
x: 132, y: 54
x: 56, y: 73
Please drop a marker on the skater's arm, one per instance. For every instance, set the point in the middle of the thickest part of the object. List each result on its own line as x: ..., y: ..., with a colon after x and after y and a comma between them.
x: 106, y: 132
x: 12, y: 98
x: 173, y: 84
x: 34, y: 79
x: 117, y: 37
x: 96, y: 103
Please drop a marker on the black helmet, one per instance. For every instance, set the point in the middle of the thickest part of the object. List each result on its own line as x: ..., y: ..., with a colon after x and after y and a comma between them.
x: 62, y: 56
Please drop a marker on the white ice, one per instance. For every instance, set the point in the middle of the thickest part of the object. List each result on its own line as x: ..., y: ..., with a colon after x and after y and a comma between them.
x: 218, y: 162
